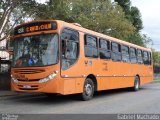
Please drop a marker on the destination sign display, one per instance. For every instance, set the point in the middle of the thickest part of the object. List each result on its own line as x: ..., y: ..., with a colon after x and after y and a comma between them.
x: 35, y: 27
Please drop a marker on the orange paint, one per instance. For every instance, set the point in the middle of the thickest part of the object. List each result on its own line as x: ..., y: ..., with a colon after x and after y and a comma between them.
x: 109, y: 74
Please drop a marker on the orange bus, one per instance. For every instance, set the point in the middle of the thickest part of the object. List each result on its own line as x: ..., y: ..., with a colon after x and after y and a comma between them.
x: 56, y: 57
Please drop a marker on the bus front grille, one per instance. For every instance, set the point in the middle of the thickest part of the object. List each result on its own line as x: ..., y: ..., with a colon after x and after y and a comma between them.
x: 24, y: 80
x: 29, y: 71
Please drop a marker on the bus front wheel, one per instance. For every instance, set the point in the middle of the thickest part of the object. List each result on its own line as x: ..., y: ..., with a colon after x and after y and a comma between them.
x: 88, y: 90
x: 136, y: 84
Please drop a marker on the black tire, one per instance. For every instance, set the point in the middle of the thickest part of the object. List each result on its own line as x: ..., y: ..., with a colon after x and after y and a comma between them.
x: 136, y: 86
x: 88, y: 90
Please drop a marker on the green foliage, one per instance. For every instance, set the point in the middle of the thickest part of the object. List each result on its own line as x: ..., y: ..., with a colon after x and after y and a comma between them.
x: 98, y: 15
x: 156, y: 57
x: 132, y: 13
x: 139, y: 39
x: 135, y: 18
x: 125, y: 4
x: 117, y: 20
x: 54, y: 9
x: 156, y: 61
x: 13, y: 12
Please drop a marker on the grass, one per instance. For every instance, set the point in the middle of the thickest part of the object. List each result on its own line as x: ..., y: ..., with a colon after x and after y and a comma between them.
x: 157, y: 79
x: 157, y: 76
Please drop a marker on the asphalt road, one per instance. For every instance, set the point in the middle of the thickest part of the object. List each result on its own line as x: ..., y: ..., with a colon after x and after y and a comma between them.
x: 146, y: 100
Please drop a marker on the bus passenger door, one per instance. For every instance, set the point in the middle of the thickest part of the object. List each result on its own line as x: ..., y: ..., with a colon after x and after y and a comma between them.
x: 69, y: 53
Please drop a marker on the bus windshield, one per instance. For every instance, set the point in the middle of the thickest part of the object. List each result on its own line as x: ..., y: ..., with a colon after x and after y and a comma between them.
x: 37, y: 50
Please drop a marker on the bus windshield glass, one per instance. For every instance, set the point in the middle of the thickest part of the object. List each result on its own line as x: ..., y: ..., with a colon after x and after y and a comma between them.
x: 37, y: 50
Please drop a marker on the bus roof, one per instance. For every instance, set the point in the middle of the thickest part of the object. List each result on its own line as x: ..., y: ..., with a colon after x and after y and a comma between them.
x: 78, y: 27
x: 87, y: 31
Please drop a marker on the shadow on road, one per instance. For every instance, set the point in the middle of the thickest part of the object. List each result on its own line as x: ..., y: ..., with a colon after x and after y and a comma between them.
x: 42, y: 99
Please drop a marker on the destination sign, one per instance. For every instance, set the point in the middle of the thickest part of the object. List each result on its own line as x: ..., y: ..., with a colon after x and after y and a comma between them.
x: 35, y: 27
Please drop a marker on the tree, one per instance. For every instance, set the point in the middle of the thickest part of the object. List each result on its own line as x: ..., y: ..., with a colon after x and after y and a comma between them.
x: 98, y: 15
x: 13, y: 12
x: 156, y: 61
x: 132, y: 13
x: 156, y: 57
x: 139, y: 39
x: 54, y: 9
x: 135, y: 18
x: 125, y: 4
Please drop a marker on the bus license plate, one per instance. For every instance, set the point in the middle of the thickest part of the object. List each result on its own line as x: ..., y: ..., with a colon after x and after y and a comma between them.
x: 26, y: 86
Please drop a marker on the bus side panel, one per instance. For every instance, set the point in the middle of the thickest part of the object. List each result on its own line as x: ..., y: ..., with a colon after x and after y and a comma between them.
x: 69, y: 86
x: 73, y: 85
x: 115, y: 82
x: 79, y: 85
x: 145, y: 80
x: 119, y: 74
x: 113, y: 74
x: 146, y: 74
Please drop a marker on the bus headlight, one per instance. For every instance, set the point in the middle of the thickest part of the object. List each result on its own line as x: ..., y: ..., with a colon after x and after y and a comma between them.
x: 50, y: 77
x: 14, y: 79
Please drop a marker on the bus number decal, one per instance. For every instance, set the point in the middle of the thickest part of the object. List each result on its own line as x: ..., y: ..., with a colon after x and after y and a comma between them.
x: 86, y: 62
x: 105, y: 68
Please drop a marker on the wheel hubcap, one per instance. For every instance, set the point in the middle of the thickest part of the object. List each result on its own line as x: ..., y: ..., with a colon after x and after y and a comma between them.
x: 88, y: 89
x: 137, y: 85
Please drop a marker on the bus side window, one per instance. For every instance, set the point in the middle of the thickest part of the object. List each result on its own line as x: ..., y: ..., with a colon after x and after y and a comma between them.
x: 104, y: 49
x: 116, y: 52
x: 69, y: 47
x: 125, y: 53
x: 133, y: 56
x: 145, y: 58
x: 91, y: 46
x: 139, y: 56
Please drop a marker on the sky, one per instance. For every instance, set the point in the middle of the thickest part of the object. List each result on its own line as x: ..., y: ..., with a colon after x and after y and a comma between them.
x: 150, y: 11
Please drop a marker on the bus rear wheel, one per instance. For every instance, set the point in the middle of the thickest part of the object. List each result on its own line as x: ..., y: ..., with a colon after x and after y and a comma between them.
x: 88, y: 90
x: 136, y: 84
